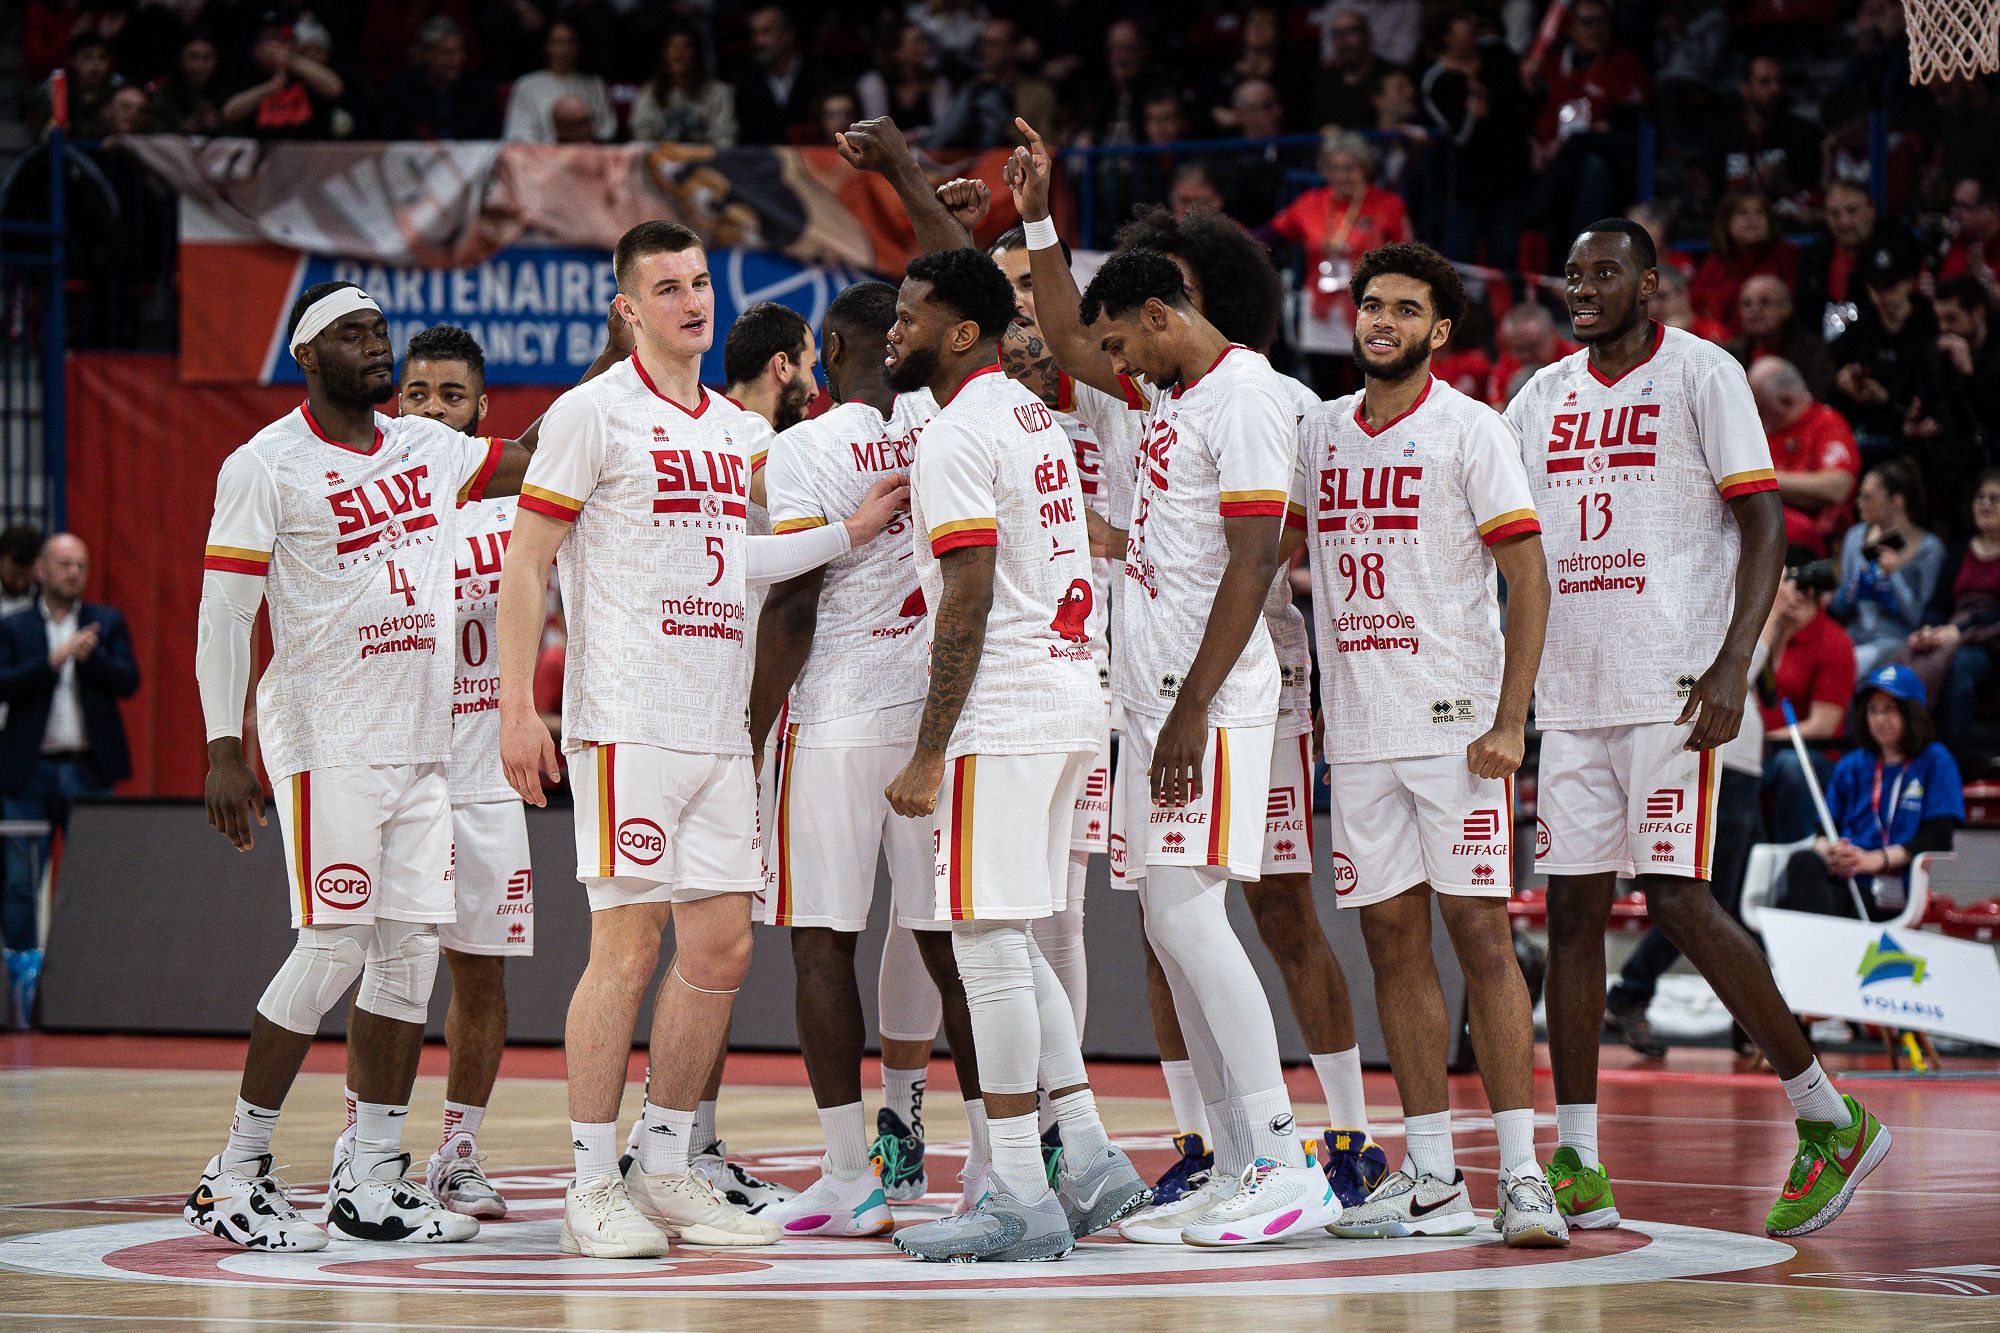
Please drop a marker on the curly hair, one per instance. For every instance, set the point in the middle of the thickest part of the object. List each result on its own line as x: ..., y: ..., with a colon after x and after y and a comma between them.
x: 1128, y: 280
x: 448, y: 342
x: 1413, y: 259
x: 868, y: 307
x: 1240, y: 291
x: 968, y: 281
x: 761, y: 332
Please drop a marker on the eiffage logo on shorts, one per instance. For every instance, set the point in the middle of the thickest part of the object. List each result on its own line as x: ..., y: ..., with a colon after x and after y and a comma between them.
x: 641, y: 841
x: 342, y: 887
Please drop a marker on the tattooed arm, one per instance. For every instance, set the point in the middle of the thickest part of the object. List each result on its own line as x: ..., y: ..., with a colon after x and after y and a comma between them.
x: 1024, y: 356
x: 958, y: 640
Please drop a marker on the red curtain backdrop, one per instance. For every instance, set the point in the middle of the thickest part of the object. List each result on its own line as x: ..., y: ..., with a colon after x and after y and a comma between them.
x: 143, y: 453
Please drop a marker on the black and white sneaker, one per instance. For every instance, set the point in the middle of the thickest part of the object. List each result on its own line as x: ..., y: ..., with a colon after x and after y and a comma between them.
x: 249, y: 1208
x: 734, y: 1182
x: 379, y: 1204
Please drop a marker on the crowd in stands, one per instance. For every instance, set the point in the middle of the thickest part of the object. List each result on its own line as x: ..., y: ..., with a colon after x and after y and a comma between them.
x: 1860, y: 293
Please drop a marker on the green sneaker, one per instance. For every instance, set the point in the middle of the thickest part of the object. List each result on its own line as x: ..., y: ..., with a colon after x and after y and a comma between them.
x: 1052, y: 1156
x: 1583, y: 1193
x: 1830, y: 1163
x: 901, y: 1152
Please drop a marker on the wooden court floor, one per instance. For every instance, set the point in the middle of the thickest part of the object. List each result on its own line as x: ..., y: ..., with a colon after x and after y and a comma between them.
x: 101, y: 1137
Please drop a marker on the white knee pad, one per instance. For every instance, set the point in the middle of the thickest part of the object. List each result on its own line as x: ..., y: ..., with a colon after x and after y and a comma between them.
x: 314, y: 975
x: 908, y: 1006
x: 998, y: 973
x: 402, y: 967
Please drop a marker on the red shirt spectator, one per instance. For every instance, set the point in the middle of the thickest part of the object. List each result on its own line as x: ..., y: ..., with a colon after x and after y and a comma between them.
x: 1589, y: 72
x: 1470, y: 371
x: 1815, y: 665
x: 1819, y: 441
x: 1340, y: 222
x: 1745, y: 243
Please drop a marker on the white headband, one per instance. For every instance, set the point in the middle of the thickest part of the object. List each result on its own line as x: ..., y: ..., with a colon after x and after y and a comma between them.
x: 344, y: 301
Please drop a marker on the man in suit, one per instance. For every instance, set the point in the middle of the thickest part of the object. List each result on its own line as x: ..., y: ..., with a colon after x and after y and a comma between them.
x: 64, y: 665
x: 775, y: 93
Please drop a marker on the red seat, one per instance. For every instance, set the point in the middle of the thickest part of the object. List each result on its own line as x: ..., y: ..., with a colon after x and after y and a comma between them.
x: 1982, y: 804
x: 1530, y: 908
x: 1980, y: 921
x: 1629, y: 913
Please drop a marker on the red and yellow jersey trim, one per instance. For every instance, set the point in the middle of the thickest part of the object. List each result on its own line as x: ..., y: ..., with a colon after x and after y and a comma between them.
x: 476, y: 488
x: 302, y: 843
x: 785, y: 525
x: 236, y: 560
x: 958, y: 837
x: 1295, y: 515
x: 757, y: 461
x: 1252, y: 504
x: 1510, y: 524
x: 605, y: 758
x: 552, y: 503
x: 1747, y: 483
x: 1135, y: 397
x: 964, y: 532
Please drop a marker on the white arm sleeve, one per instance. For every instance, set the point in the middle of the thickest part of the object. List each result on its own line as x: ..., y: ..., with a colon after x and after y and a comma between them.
x: 229, y: 605
x: 775, y: 559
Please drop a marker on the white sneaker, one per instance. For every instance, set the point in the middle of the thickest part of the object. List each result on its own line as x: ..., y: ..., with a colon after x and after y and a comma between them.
x: 1528, y: 1217
x: 971, y: 1188
x: 1402, y: 1206
x: 1164, y: 1224
x: 249, y: 1208
x: 343, y: 1148
x: 378, y: 1204
x: 453, y: 1175
x: 734, y: 1182
x: 689, y: 1210
x: 832, y: 1206
x: 600, y: 1222
x: 1272, y: 1201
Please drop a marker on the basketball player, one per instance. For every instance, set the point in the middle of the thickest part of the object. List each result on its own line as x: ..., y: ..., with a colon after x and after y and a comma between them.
x: 909, y: 1010
x: 1008, y: 732
x: 1665, y: 539
x: 1198, y: 683
x: 846, y: 644
x: 1217, y: 256
x: 342, y: 518
x: 768, y: 360
x: 1414, y: 494
x: 643, y: 482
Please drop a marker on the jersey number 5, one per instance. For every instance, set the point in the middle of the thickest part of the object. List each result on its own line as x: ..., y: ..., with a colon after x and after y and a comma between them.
x: 715, y: 553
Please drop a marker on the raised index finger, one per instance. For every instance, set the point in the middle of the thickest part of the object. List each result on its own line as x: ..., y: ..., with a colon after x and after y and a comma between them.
x: 1028, y: 133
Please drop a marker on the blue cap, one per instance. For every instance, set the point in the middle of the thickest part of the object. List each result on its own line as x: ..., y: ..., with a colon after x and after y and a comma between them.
x: 1895, y: 680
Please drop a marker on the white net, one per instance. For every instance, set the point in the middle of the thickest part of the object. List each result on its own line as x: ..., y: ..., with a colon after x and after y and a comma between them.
x: 1952, y: 39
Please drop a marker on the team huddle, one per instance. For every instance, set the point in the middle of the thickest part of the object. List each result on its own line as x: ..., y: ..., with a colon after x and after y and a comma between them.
x: 1022, y: 596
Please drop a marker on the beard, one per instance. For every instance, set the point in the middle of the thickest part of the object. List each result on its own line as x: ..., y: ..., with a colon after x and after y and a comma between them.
x: 353, y: 387
x: 914, y: 369
x: 793, y: 400
x: 1406, y: 360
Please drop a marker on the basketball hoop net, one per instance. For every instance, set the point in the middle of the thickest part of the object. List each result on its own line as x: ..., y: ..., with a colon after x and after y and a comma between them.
x: 1952, y: 39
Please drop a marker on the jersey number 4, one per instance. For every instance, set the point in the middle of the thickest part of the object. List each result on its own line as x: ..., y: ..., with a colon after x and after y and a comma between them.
x: 399, y: 582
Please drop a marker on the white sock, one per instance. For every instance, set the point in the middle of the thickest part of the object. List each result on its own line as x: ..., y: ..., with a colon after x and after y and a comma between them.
x: 1814, y: 1098
x: 1017, y: 1156
x: 663, y: 1140
x: 1427, y: 1142
x: 1082, y: 1132
x: 1340, y: 1080
x: 844, y: 1129
x: 348, y: 1095
x: 903, y: 1093
x: 1231, y: 1143
x: 1516, y: 1129
x: 596, y: 1149
x: 378, y: 1133
x: 979, y: 1139
x: 461, y: 1118
x: 704, y: 1125
x: 1273, y: 1131
x: 249, y: 1135
x: 1576, y: 1127
x: 1189, y: 1115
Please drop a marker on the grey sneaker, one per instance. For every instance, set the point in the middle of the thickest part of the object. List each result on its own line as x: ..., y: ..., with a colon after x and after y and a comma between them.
x: 1401, y: 1206
x: 1001, y: 1229
x: 1106, y: 1191
x: 1528, y: 1217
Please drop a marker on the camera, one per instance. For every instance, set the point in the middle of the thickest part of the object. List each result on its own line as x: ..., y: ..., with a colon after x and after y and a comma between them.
x: 1891, y: 540
x: 1815, y: 576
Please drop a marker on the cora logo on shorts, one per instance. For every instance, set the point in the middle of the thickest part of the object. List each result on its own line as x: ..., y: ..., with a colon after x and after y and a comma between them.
x: 342, y: 887
x: 1345, y: 880
x: 1541, y: 838
x: 641, y: 841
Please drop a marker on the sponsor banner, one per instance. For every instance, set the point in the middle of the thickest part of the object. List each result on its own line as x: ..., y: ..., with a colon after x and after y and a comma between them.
x: 1869, y: 973
x: 538, y: 311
